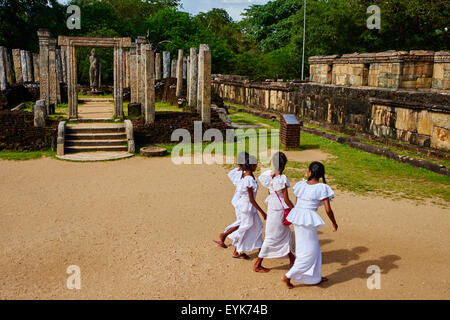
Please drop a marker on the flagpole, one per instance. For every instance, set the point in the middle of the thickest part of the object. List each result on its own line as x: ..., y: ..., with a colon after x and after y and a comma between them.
x: 304, y: 33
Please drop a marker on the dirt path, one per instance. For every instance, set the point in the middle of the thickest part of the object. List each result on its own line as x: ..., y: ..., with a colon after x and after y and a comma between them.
x: 142, y: 228
x: 96, y: 108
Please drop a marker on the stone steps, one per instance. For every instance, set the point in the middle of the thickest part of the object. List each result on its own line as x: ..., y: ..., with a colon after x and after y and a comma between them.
x: 83, y: 137
x: 74, y: 149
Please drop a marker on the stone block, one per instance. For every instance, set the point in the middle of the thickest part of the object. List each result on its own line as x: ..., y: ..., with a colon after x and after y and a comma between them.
x: 406, y: 119
x: 134, y: 109
x: 440, y: 138
x: 424, y: 124
x: 40, y: 111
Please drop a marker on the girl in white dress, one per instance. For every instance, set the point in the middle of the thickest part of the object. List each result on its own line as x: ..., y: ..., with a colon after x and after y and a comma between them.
x: 278, y: 239
x: 249, y: 235
x: 308, y: 257
x: 235, y: 176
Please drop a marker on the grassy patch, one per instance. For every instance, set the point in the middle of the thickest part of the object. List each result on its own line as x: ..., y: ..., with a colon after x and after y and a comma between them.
x: 25, y: 155
x: 164, y: 106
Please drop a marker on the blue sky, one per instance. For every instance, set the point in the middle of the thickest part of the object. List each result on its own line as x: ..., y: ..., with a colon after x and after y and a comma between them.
x: 233, y: 7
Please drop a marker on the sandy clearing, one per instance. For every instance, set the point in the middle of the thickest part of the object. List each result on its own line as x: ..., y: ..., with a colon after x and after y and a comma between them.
x: 142, y: 228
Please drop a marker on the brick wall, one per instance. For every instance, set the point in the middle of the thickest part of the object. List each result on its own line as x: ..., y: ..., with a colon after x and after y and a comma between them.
x: 17, y: 132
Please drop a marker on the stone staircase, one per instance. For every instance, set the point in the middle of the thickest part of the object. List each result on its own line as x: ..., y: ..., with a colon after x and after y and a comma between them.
x: 95, y: 137
x: 93, y: 141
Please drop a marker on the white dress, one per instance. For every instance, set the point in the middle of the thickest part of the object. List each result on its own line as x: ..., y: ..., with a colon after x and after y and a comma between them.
x: 249, y: 235
x: 235, y: 176
x: 307, y: 268
x: 278, y: 239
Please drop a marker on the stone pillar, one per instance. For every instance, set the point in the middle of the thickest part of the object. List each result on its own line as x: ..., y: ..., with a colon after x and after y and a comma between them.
x: 17, y: 65
x: 9, y: 68
x: 173, y: 68
x: 179, y: 90
x: 133, y: 74
x: 23, y: 63
x: 200, y: 79
x: 185, y: 68
x: 29, y: 59
x: 59, y: 74
x: 118, y: 81
x: 3, y: 62
x: 71, y: 81
x: 205, y: 62
x: 127, y: 80
x: 44, y: 39
x: 64, y: 63
x: 193, y: 77
x: 188, y: 68
x: 166, y: 64
x: 140, y: 97
x: 158, y: 67
x: 36, y: 67
x: 149, y: 80
x: 52, y: 75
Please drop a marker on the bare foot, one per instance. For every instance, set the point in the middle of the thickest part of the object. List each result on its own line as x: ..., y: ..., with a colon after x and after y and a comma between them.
x: 222, y: 237
x: 287, y: 281
x: 241, y: 256
x: 261, y: 269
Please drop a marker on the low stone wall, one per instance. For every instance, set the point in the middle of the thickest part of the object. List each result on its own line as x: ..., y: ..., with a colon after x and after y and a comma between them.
x: 416, y: 69
x: 166, y: 122
x: 17, y: 132
x: 415, y: 116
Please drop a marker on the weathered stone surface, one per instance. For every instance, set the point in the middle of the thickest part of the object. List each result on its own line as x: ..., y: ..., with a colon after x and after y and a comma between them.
x: 173, y: 68
x: 193, y: 77
x: 23, y: 63
x: 440, y: 138
x: 134, y: 109
x: 29, y: 59
x: 180, y: 65
x: 40, y: 111
x: 149, y: 67
x: 386, y: 113
x: 166, y: 64
x: 205, y: 83
x: 17, y: 65
x: 158, y: 66
x: 153, y: 151
x: 3, y: 63
x: 36, y: 67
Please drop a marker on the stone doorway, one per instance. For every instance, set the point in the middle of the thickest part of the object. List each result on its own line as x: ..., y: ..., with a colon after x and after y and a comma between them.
x: 70, y: 44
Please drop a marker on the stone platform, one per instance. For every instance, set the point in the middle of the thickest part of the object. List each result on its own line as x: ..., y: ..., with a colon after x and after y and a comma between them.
x: 96, y: 156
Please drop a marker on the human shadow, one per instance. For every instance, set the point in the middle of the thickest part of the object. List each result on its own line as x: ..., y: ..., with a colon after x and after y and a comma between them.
x: 343, y: 256
x: 359, y: 270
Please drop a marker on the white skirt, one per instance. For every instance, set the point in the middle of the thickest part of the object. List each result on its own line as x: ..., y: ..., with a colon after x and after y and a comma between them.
x: 307, y: 268
x: 236, y: 223
x: 278, y: 239
x: 249, y: 235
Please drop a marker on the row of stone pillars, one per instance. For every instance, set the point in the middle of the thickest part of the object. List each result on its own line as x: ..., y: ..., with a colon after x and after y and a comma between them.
x: 146, y: 67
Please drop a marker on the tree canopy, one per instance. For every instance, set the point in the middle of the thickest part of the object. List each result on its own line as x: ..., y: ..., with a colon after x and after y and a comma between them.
x: 266, y: 43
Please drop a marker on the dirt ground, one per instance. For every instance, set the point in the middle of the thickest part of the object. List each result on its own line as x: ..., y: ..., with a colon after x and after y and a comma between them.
x: 143, y: 229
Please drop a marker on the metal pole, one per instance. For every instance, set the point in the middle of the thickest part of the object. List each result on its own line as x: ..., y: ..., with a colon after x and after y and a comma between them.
x: 304, y: 29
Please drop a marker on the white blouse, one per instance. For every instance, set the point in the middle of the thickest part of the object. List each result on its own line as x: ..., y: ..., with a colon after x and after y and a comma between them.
x: 275, y: 186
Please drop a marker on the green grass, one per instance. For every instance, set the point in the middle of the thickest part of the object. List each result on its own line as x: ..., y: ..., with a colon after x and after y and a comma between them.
x: 357, y: 171
x: 25, y: 155
x: 164, y: 106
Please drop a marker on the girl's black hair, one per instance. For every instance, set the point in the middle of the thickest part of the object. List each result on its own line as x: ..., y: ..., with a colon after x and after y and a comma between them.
x: 317, y: 171
x: 241, y: 159
x: 279, y: 161
x: 250, y: 161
